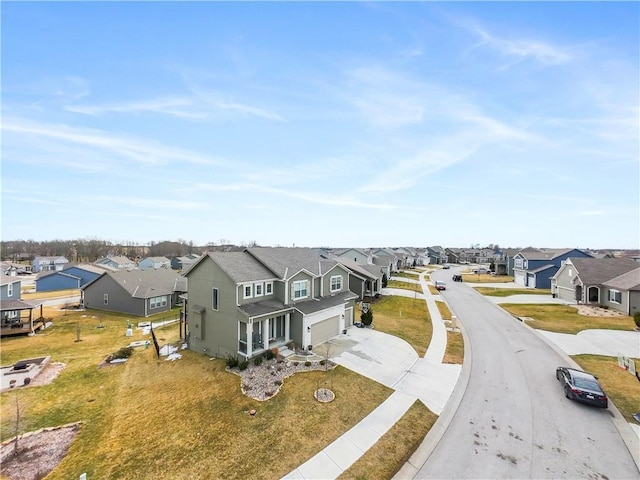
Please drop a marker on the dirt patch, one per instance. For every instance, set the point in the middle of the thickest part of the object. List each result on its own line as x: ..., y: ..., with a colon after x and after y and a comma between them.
x: 48, y: 375
x: 595, y: 311
x: 38, y: 452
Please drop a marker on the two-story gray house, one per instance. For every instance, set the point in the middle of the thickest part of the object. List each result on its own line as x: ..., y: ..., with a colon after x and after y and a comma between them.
x: 244, y: 303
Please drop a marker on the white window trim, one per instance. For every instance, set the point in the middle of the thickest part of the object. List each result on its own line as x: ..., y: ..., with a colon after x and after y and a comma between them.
x: 216, y: 305
x: 268, y: 288
x: 612, y: 296
x: 339, y: 277
x: 244, y: 291
x: 10, y: 289
x: 155, y: 303
x: 106, y: 299
x: 256, y: 287
x: 306, y: 287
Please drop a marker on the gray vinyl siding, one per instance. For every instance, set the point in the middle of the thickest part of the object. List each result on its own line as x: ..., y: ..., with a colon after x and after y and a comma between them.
x: 295, y: 329
x: 356, y: 285
x: 15, y: 294
x: 219, y: 328
x: 310, y: 288
x: 634, y: 302
x: 119, y: 299
x: 326, y: 281
x: 623, y: 306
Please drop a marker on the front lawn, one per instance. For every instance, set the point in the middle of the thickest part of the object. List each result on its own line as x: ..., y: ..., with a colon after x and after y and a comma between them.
x: 621, y: 387
x: 486, y: 278
x: 52, y: 294
x: 565, y: 319
x: 413, y: 287
x: 150, y: 418
x: 404, y: 317
x: 506, y: 292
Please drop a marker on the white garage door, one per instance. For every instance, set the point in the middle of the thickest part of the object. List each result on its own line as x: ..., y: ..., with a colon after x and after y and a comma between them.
x: 531, y: 281
x: 518, y: 277
x: 323, y: 331
x: 348, y: 317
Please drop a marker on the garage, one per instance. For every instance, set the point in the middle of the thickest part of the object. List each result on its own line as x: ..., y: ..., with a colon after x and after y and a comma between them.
x: 324, y: 330
x: 348, y: 317
x: 518, y: 278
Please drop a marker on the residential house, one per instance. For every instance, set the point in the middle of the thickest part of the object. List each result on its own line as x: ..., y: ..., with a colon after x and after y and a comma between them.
x: 535, y: 268
x: 13, y: 269
x: 244, y: 303
x: 183, y: 263
x: 135, y: 292
x: 613, y: 282
x: 504, y: 264
x: 386, y: 256
x: 73, y: 276
x: 437, y: 255
x: 154, y: 262
x: 116, y: 262
x: 453, y: 255
x: 48, y: 264
x: 365, y: 280
x: 357, y: 255
x: 16, y: 315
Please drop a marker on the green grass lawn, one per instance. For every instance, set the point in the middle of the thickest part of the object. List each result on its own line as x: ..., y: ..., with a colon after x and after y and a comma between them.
x: 149, y: 418
x: 566, y: 319
x: 486, y: 278
x: 413, y: 287
x: 506, y: 292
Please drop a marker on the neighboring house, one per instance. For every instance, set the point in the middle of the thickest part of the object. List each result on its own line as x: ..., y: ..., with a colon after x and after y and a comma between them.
x: 183, y: 263
x: 116, y: 262
x: 244, y: 303
x: 74, y: 276
x: 365, y: 280
x: 135, y: 292
x: 535, y: 268
x: 453, y: 255
x: 437, y: 255
x: 17, y: 315
x: 612, y: 282
x: 48, y: 264
x: 356, y: 255
x: 505, y: 263
x: 396, y: 261
x: 13, y: 269
x: 154, y: 262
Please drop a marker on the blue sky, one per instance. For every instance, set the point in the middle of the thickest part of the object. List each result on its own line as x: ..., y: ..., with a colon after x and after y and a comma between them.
x: 322, y: 124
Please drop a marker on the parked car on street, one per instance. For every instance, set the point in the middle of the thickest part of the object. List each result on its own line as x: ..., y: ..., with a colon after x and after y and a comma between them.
x: 440, y: 285
x: 456, y: 278
x: 446, y: 266
x: 481, y: 270
x: 582, y: 387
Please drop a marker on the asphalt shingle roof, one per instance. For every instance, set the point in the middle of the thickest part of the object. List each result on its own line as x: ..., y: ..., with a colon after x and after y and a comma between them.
x: 626, y: 281
x: 148, y: 283
x: 317, y: 304
x: 596, y: 271
x: 286, y: 262
x: 241, y: 266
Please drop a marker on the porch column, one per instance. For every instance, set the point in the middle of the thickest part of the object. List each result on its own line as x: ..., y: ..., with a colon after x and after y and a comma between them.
x: 287, y: 327
x: 265, y: 333
x: 249, y: 338
x: 342, y: 320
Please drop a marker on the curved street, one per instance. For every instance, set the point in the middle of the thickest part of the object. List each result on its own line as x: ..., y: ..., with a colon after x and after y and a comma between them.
x: 513, y: 420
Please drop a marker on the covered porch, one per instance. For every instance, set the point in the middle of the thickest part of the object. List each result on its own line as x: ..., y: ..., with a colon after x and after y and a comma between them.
x: 268, y: 325
x: 17, y: 317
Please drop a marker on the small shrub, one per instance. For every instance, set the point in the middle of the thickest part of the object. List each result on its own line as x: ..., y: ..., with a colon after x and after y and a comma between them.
x: 257, y: 360
x: 307, y: 363
x: 322, y: 362
x: 275, y: 351
x: 124, y: 352
x: 232, y: 361
x: 268, y: 355
x: 243, y: 364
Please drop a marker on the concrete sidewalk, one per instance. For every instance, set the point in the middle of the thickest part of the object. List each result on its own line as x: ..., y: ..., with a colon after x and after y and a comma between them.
x: 394, y: 363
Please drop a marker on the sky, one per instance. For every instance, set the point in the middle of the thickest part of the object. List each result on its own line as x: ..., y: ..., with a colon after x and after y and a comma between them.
x: 337, y: 124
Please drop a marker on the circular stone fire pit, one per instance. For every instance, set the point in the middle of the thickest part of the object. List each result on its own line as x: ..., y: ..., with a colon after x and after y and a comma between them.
x: 324, y: 395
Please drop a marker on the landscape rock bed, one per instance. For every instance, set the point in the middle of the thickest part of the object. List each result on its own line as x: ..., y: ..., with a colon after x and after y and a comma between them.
x: 261, y: 382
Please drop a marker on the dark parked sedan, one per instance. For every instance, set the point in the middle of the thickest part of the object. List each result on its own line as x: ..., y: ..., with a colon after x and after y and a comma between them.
x: 581, y: 386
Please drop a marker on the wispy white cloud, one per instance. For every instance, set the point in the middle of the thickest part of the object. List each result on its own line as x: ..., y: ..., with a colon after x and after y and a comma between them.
x: 147, y: 203
x: 141, y: 150
x: 167, y: 106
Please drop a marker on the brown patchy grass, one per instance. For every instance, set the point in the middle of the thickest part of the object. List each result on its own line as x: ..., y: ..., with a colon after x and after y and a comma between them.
x: 406, y: 318
x: 506, y: 292
x: 432, y: 290
x: 445, y: 313
x: 412, y: 287
x: 566, y: 319
x: 454, y: 352
x: 621, y: 387
x: 486, y: 278
x: 151, y: 418
x: 47, y: 295
x: 395, y: 447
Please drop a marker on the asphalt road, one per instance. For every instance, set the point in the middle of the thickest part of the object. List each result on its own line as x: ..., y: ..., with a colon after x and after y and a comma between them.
x: 514, y: 421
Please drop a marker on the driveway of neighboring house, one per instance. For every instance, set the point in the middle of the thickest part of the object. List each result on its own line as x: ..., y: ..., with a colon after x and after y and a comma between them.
x: 610, y: 343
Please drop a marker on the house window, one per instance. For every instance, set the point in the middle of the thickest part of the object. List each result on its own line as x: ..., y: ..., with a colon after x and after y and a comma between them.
x: 570, y: 272
x: 214, y: 298
x: 13, y: 314
x: 106, y: 299
x: 247, y: 291
x: 259, y: 287
x: 10, y: 289
x: 157, y: 302
x: 615, y: 296
x: 518, y: 263
x: 336, y: 283
x: 300, y: 289
x: 268, y: 288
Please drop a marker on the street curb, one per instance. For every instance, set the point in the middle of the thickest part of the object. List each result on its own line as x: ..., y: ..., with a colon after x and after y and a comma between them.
x: 411, y: 468
x: 627, y: 434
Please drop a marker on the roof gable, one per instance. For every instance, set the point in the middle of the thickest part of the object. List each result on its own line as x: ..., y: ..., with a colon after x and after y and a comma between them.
x: 595, y: 271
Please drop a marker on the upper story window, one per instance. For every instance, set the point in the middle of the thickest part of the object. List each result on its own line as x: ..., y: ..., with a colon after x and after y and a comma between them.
x: 10, y: 289
x: 336, y: 283
x: 268, y: 288
x: 248, y: 291
x: 300, y: 289
x: 259, y: 289
x: 214, y: 298
x: 518, y: 262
